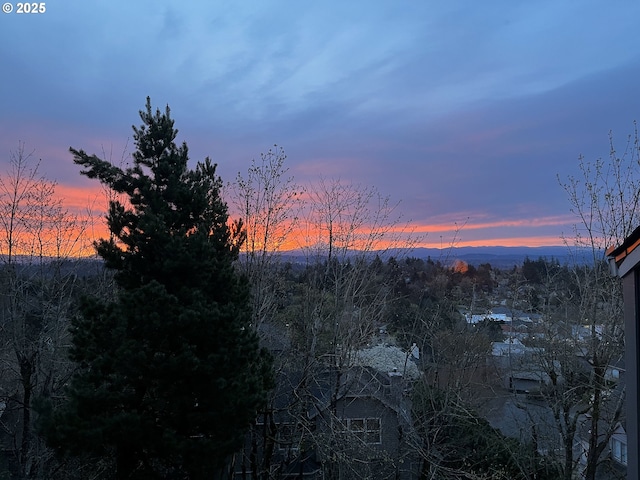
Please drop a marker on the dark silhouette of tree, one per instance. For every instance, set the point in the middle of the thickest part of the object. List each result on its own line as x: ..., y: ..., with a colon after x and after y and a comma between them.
x: 170, y: 374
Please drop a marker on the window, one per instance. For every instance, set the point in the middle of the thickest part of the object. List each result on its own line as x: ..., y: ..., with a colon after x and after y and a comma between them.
x: 287, y: 437
x: 366, y: 429
x: 619, y: 451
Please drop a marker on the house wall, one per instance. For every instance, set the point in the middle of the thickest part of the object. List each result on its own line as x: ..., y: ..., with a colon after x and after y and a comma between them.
x: 631, y: 292
x: 620, y: 438
x: 390, y: 459
x: 362, y: 407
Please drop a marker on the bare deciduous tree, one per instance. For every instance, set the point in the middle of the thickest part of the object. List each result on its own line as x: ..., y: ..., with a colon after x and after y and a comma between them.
x: 268, y: 201
x: 605, y: 199
x: 38, y: 242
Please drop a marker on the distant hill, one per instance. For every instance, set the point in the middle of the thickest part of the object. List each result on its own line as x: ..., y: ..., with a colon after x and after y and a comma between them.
x: 499, y: 257
x: 502, y: 257
x: 82, y: 267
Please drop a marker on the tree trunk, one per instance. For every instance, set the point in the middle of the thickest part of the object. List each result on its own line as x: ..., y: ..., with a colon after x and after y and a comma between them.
x: 27, y: 369
x: 126, y: 462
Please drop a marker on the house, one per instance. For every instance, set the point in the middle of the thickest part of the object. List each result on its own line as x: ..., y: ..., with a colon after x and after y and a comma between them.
x: 336, y: 418
x: 518, y: 367
x: 367, y: 425
x: 503, y: 314
x: 511, y: 346
x: 390, y: 358
x: 618, y: 446
x: 612, y: 463
x: 492, y: 315
x: 625, y: 263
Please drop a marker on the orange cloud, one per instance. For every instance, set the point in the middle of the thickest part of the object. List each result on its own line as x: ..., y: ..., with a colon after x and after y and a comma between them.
x: 88, y: 205
x: 541, y: 241
x: 440, y: 235
x: 309, y: 235
x: 535, y: 222
x: 82, y: 199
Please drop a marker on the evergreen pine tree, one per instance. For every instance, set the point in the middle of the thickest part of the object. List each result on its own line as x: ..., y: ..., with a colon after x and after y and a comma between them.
x: 170, y: 372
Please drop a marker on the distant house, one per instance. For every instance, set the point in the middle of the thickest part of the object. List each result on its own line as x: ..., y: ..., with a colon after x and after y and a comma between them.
x: 503, y: 314
x: 389, y: 358
x: 521, y: 331
x: 582, y: 333
x: 518, y: 367
x: 488, y: 316
x: 510, y: 347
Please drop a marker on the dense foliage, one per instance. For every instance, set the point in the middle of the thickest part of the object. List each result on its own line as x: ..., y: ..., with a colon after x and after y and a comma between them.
x: 170, y: 373
x: 457, y: 443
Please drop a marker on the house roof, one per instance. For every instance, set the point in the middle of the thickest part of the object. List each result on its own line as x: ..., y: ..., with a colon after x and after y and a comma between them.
x: 629, y: 244
x: 388, y: 358
x: 624, y: 257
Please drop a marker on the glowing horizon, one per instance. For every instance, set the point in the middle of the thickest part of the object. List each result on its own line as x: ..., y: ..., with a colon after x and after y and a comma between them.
x: 88, y: 205
x: 82, y: 200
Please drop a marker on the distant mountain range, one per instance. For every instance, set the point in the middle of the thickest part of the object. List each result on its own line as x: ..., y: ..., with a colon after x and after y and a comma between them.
x: 500, y: 257
x: 503, y: 257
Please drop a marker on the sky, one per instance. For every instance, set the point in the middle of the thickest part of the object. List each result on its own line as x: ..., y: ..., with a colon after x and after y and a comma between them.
x: 465, y: 112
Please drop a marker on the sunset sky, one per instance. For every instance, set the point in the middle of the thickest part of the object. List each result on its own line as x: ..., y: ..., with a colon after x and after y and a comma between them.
x: 464, y: 111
